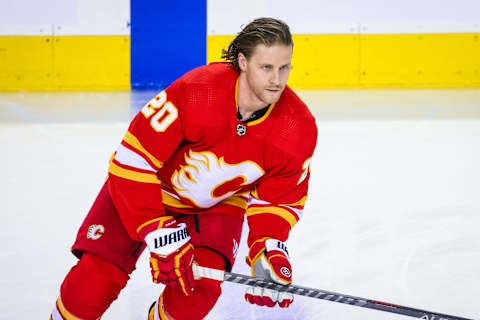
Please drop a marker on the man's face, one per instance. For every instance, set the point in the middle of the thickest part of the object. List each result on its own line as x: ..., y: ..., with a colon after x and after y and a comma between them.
x: 267, y: 71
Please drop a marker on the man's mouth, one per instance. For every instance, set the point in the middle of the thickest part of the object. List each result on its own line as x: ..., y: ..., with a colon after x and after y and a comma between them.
x: 273, y: 90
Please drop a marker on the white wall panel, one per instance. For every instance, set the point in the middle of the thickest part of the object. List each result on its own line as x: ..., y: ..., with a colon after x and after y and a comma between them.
x: 99, y: 17
x: 65, y: 17
x: 31, y: 12
x: 26, y: 29
x: 346, y: 16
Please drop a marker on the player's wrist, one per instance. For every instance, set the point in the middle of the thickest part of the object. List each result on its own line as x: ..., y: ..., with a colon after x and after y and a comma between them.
x: 265, y: 246
x: 256, y: 249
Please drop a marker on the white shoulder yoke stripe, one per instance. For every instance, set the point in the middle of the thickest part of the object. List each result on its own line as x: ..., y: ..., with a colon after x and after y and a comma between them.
x: 130, y: 158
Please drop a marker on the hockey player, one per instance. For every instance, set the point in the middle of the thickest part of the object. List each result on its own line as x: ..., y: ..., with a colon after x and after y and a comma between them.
x: 224, y: 141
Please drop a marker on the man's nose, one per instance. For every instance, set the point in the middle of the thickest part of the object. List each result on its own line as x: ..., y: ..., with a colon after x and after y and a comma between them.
x: 275, y: 78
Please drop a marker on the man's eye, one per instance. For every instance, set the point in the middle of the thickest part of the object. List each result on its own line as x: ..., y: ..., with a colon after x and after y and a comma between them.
x: 266, y: 67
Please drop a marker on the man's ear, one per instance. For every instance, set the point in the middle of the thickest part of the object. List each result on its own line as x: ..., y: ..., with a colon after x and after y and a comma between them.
x: 242, y: 61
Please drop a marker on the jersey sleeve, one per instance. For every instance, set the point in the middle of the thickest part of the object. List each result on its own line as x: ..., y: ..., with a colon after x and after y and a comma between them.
x: 276, y: 204
x: 152, y: 137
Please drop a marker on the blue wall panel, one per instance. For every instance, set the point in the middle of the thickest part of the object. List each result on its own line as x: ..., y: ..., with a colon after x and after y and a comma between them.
x: 168, y: 38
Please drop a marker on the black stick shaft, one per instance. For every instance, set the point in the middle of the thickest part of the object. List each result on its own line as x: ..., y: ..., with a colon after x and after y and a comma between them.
x: 341, y: 298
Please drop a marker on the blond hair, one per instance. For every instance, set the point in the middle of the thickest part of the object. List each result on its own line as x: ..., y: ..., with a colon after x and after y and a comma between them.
x: 266, y: 31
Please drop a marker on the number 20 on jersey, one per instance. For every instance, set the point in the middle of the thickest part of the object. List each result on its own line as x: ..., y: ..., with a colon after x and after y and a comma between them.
x: 164, y: 112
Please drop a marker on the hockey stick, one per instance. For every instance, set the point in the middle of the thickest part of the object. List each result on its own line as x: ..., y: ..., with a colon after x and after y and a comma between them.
x: 203, y: 272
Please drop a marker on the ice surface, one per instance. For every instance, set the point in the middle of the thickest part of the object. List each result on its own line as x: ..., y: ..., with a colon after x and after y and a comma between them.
x: 393, y: 212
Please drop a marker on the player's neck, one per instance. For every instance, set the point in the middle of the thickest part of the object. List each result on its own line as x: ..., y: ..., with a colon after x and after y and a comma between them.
x: 247, y: 101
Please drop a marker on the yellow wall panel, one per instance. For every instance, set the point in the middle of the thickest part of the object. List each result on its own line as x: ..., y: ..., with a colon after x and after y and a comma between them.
x: 420, y: 60
x: 325, y: 60
x: 92, y: 62
x: 215, y: 44
x: 26, y: 63
x: 379, y: 60
x: 64, y: 63
x: 318, y: 60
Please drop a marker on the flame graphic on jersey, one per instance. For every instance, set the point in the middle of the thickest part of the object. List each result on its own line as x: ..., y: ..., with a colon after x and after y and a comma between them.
x: 206, y: 180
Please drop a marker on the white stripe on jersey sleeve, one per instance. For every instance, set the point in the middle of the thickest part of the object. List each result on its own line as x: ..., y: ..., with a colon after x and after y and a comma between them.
x: 299, y: 212
x: 130, y: 158
x: 255, y: 201
x: 56, y: 314
x: 171, y: 194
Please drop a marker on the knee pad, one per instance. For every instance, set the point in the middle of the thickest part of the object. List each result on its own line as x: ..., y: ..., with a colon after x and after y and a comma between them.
x: 90, y: 287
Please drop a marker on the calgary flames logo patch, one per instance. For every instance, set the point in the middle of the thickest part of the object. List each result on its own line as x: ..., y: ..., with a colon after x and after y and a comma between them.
x: 206, y: 180
x: 286, y: 272
x: 95, y: 231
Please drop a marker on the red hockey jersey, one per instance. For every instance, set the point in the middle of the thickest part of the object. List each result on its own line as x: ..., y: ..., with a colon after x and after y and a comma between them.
x: 183, y: 152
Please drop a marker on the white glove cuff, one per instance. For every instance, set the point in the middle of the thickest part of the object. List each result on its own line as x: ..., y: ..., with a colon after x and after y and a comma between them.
x: 165, y: 241
x: 276, y: 245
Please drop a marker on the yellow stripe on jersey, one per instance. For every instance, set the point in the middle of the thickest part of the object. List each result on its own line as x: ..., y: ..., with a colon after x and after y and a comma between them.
x: 132, y: 175
x: 133, y: 141
x: 171, y: 201
x: 64, y: 312
x: 236, y: 201
x: 283, y: 213
x: 300, y: 202
x: 161, y: 220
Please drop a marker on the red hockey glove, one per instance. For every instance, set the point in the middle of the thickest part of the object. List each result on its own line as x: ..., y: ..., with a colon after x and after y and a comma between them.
x: 268, y: 259
x: 171, y: 255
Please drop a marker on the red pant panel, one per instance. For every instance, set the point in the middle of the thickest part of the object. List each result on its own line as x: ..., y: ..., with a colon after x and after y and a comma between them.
x: 91, y: 286
x: 103, y: 234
